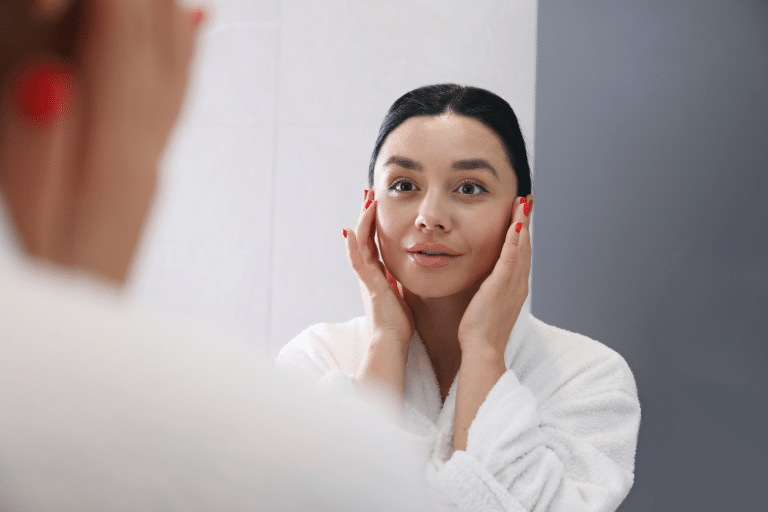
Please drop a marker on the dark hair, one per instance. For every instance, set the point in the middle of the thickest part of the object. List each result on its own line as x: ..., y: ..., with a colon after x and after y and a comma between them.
x: 479, y: 104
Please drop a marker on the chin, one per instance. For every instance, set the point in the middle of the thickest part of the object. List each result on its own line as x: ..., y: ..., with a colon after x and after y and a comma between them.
x: 432, y: 288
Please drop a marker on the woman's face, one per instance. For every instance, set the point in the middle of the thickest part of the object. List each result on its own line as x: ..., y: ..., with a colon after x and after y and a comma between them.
x: 434, y: 181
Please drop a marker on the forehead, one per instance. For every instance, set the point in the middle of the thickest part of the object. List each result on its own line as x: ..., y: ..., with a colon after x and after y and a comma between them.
x: 448, y: 137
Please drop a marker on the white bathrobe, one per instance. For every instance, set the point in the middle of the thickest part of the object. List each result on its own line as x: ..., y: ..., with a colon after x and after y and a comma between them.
x: 104, y: 407
x: 556, y: 433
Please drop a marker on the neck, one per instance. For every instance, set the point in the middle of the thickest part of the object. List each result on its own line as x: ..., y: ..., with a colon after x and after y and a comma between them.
x: 437, y: 321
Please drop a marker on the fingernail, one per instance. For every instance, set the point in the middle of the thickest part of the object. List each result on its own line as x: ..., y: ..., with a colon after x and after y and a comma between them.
x: 518, y: 226
x: 366, y: 194
x: 42, y: 90
x: 522, y: 200
x: 345, y: 233
x: 526, y: 209
x: 197, y: 18
x: 368, y: 204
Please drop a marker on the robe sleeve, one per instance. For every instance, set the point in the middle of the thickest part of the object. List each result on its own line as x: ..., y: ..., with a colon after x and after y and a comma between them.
x: 571, y: 450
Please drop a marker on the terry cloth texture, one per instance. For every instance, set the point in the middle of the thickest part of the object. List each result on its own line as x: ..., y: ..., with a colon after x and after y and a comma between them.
x: 556, y: 433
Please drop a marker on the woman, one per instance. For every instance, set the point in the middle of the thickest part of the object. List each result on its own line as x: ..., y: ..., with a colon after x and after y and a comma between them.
x: 511, y: 413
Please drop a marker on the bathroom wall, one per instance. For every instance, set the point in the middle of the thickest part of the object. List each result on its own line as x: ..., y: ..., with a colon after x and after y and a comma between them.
x: 270, y: 158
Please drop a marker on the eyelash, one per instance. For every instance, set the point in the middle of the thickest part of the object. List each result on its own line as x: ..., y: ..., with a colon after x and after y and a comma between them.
x: 467, y: 182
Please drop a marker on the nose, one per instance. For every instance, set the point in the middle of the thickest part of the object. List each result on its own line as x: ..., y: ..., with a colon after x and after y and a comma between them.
x: 433, y: 215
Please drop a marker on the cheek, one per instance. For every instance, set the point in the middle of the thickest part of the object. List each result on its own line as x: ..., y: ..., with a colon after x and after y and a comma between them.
x: 388, y: 229
x: 489, y: 237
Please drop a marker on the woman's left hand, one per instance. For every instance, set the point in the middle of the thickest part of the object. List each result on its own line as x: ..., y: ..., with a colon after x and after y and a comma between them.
x: 493, y: 311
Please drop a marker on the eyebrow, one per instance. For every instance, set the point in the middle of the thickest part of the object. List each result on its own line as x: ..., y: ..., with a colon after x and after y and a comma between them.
x: 459, y: 165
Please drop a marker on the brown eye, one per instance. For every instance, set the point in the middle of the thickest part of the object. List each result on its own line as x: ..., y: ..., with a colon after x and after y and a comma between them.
x: 469, y: 186
x: 401, y: 182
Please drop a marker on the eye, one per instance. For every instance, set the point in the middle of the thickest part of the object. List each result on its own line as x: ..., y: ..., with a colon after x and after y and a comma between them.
x: 471, y: 185
x: 400, y: 182
x: 466, y: 187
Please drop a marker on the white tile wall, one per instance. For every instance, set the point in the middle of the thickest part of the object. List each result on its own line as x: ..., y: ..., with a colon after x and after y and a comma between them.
x: 270, y: 158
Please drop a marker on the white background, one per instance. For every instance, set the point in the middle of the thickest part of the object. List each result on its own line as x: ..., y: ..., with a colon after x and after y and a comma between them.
x: 270, y: 156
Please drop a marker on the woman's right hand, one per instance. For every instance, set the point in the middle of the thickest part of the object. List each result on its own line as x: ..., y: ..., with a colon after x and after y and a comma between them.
x: 80, y: 184
x: 388, y: 315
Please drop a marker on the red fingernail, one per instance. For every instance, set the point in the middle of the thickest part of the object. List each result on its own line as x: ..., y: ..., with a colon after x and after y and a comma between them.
x: 519, y: 226
x: 345, y: 233
x: 522, y: 200
x: 42, y: 91
x: 526, y: 209
x: 197, y: 17
x: 366, y: 194
x: 368, y: 204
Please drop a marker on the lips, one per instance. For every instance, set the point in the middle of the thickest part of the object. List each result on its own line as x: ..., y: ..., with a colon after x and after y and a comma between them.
x: 424, y: 260
x: 432, y: 247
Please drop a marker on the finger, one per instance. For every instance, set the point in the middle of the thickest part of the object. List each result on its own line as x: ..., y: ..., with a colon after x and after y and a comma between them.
x: 190, y: 21
x: 372, y: 246
x: 36, y: 130
x: 393, y: 284
x: 512, y: 240
x: 353, y: 253
x: 365, y: 272
x: 527, y: 208
x: 522, y: 210
x: 370, y: 238
x: 523, y: 252
x: 199, y: 17
x: 365, y: 227
x: 525, y: 240
x: 521, y: 224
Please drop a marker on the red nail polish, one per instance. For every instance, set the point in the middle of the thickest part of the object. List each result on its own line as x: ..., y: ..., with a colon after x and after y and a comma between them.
x: 345, y: 233
x: 368, y: 204
x: 526, y: 209
x: 366, y: 194
x: 519, y: 226
x: 522, y: 200
x: 197, y: 17
x: 42, y: 92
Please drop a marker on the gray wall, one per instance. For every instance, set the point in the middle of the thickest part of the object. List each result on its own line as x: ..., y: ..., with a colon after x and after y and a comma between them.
x: 651, y: 236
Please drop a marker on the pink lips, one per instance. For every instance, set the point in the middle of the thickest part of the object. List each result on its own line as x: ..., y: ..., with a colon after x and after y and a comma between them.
x: 433, y: 247
x: 432, y: 261
x: 425, y: 260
